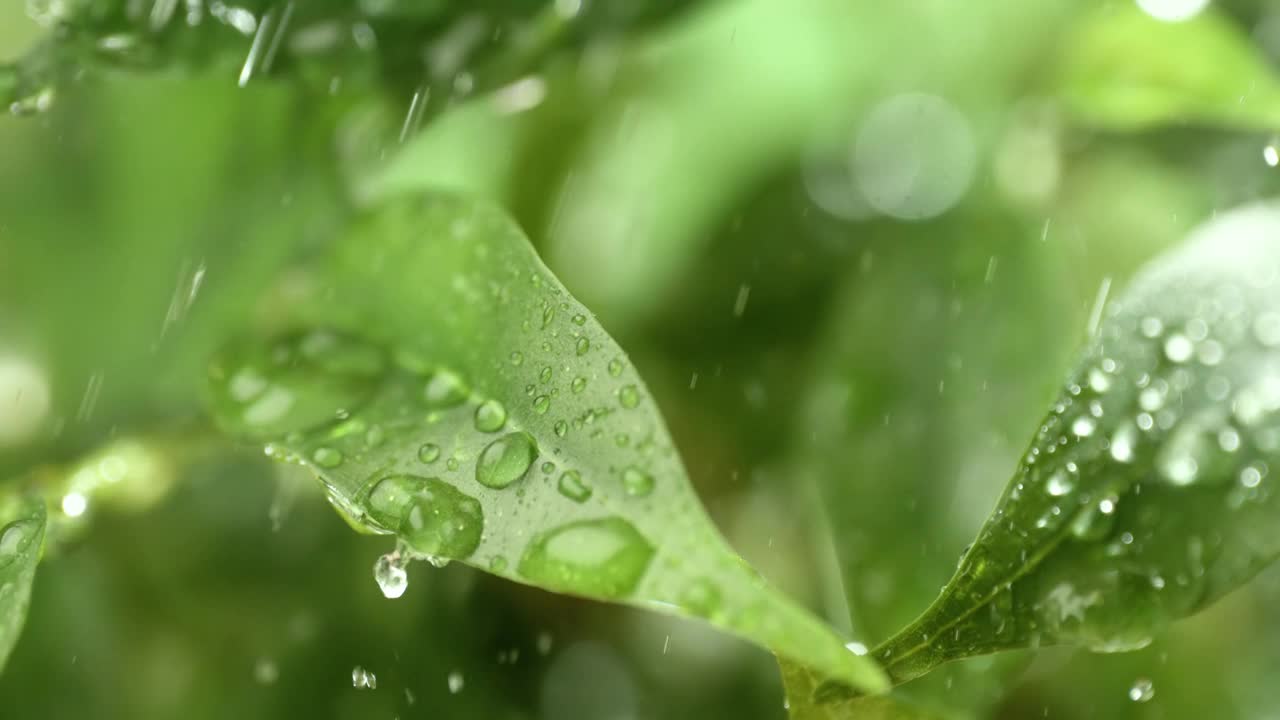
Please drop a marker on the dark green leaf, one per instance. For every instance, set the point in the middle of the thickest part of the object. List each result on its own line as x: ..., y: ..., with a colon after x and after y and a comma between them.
x: 21, y: 537
x: 1123, y: 69
x: 467, y: 404
x: 1147, y: 492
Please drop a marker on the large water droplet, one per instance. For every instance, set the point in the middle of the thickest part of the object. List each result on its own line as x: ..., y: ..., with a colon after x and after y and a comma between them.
x: 434, y: 518
x: 506, y: 460
x: 606, y: 557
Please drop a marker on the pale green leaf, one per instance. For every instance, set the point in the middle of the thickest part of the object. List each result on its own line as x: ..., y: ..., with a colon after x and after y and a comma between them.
x: 454, y: 394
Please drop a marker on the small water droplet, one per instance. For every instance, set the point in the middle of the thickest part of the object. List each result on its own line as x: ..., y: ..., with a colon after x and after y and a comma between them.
x: 615, y: 367
x: 1123, y: 442
x: 429, y: 453
x: 628, y: 396
x: 1060, y: 483
x: 582, y: 346
x: 506, y: 460
x: 517, y: 358
x: 542, y: 404
x: 545, y: 375
x: 578, y: 385
x: 327, y: 457
x: 1083, y: 426
x: 637, y: 482
x: 1099, y: 381
x: 491, y: 415
x: 572, y: 486
x: 579, y: 319
x: 561, y: 428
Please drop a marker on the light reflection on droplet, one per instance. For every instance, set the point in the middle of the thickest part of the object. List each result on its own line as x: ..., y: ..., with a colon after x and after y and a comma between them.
x: 1173, y: 10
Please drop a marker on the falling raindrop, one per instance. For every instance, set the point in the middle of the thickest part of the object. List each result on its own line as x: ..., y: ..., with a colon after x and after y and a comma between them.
x: 1142, y: 690
x: 456, y: 681
x: 362, y: 679
x: 389, y: 573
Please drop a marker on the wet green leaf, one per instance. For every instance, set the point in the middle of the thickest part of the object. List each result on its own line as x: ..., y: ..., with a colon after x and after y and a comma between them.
x: 21, y: 535
x: 463, y: 401
x: 1147, y: 492
x: 1123, y: 69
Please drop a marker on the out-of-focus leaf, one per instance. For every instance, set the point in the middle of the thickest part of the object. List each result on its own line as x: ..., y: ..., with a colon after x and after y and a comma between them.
x: 20, y: 540
x: 187, y: 199
x: 1147, y: 493
x: 470, y: 406
x: 801, y: 685
x: 1123, y: 69
x: 919, y: 396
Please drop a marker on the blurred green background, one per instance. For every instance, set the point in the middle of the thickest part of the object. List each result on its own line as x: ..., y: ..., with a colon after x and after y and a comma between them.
x: 851, y: 246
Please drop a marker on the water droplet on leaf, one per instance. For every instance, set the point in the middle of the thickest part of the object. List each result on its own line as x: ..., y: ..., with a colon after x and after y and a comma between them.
x: 506, y: 460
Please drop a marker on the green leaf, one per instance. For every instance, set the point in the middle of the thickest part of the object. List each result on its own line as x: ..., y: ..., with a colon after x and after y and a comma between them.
x: 1147, y: 493
x: 20, y: 542
x: 1123, y: 69
x: 808, y: 698
x: 462, y: 400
